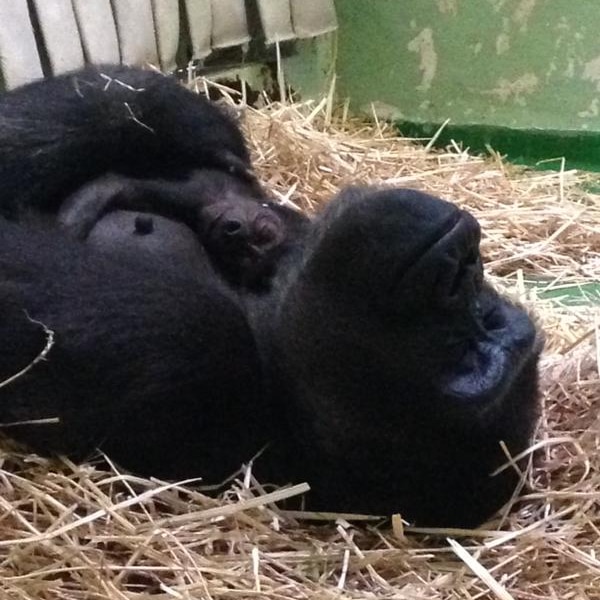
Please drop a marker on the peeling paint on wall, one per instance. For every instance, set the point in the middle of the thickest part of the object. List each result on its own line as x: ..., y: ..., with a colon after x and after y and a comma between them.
x: 510, y: 63
x: 523, y: 13
x: 516, y: 90
x: 497, y: 5
x: 423, y: 46
x: 592, y: 111
x: 570, y: 69
x: 477, y: 48
x: 502, y: 44
x: 447, y: 7
x: 591, y: 71
x: 550, y: 71
x: 382, y: 111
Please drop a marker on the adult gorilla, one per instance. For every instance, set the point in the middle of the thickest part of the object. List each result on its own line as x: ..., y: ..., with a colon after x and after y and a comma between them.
x: 196, y: 322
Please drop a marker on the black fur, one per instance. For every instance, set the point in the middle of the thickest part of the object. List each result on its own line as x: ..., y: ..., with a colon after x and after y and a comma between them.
x: 372, y: 358
x: 61, y: 133
x: 152, y: 365
x: 239, y: 227
x: 401, y: 369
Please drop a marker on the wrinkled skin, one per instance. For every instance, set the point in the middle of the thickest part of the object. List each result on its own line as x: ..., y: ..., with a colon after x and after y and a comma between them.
x: 197, y: 323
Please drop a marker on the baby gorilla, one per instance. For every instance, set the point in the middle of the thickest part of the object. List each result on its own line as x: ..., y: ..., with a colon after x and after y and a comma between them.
x: 61, y: 133
x: 174, y: 219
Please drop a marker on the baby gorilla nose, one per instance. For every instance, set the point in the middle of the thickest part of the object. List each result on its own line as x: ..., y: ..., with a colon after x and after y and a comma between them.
x: 244, y: 224
x: 267, y: 231
x: 232, y: 227
x: 243, y: 238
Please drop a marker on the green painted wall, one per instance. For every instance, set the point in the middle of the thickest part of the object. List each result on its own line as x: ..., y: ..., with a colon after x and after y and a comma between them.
x: 517, y: 64
x: 309, y: 71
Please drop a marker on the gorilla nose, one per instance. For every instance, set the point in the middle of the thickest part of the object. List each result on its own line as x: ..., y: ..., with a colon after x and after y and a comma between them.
x: 232, y: 227
x: 460, y: 270
x: 465, y: 272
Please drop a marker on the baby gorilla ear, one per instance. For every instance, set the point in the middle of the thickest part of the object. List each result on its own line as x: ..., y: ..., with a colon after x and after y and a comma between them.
x: 82, y: 209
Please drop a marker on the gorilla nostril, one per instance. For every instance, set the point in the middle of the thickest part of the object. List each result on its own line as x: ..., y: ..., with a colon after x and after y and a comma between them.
x: 457, y: 280
x: 472, y: 257
x: 144, y: 224
x: 265, y: 234
x: 232, y: 227
x: 494, y: 319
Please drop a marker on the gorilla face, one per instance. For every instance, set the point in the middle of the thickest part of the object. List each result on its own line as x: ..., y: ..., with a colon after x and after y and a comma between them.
x: 408, y: 370
x: 411, y: 263
x: 243, y: 238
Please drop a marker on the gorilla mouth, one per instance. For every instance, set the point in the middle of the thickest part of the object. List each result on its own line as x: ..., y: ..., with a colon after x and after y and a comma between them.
x: 499, y: 338
x: 494, y: 357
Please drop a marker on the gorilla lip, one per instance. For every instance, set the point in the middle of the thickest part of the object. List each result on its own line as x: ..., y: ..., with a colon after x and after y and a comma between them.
x: 501, y: 343
x: 494, y: 357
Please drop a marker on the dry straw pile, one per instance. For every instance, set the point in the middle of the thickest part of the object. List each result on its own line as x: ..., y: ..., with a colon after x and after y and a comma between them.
x: 76, y: 532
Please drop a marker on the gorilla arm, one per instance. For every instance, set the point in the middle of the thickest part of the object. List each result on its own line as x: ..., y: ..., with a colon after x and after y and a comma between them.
x: 156, y: 367
x: 60, y: 133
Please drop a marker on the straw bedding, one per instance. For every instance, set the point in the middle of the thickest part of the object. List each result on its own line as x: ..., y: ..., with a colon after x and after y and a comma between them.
x: 76, y: 532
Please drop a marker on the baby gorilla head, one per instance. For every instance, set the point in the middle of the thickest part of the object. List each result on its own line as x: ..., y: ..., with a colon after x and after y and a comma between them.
x: 243, y: 238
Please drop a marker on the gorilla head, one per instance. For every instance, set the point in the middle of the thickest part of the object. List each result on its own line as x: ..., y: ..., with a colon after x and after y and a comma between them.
x: 408, y: 371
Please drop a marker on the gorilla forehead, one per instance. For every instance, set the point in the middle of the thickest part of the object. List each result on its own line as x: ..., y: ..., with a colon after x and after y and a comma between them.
x: 416, y: 238
x: 411, y: 217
